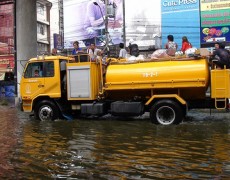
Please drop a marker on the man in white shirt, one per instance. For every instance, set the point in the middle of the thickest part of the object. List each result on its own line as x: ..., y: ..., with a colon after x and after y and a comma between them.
x: 93, y: 52
x: 123, y: 52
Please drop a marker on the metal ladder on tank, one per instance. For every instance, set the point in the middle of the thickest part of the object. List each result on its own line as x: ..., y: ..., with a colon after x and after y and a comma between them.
x: 222, y: 89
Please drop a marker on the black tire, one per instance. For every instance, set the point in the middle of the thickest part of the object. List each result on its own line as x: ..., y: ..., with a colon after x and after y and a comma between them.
x: 46, y: 110
x: 166, y: 112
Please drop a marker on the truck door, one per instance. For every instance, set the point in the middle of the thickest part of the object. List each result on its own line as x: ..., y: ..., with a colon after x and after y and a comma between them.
x: 52, y: 79
x: 33, y: 80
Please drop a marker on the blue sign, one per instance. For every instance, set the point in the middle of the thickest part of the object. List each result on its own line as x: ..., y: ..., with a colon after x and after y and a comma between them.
x: 181, y: 18
x: 58, y: 42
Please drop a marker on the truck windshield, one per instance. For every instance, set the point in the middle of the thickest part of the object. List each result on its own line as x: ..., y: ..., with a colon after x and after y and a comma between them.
x: 39, y: 69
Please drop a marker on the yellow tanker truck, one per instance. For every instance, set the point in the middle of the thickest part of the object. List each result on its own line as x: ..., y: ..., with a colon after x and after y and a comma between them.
x: 166, y: 88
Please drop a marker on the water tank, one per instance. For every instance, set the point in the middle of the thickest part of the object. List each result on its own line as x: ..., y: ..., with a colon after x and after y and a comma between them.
x: 187, y: 75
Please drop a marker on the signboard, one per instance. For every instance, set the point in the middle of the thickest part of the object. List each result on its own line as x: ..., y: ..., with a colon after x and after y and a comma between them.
x: 143, y: 23
x: 85, y: 22
x: 6, y: 29
x: 6, y: 37
x: 3, y: 48
x: 58, y: 42
x: 6, y: 61
x: 181, y: 18
x: 215, y: 21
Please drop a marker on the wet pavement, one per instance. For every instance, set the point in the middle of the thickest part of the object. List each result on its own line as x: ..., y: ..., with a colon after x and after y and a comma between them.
x: 9, y: 128
x: 114, y: 148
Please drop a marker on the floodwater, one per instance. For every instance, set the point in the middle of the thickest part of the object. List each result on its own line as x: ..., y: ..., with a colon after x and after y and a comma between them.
x: 111, y: 148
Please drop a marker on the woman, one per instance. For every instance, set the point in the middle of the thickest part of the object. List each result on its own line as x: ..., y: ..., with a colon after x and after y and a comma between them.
x: 185, y: 44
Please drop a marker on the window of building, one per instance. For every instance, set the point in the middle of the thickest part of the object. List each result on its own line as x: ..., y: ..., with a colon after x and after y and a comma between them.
x: 41, y: 28
x: 42, y: 48
x: 40, y: 9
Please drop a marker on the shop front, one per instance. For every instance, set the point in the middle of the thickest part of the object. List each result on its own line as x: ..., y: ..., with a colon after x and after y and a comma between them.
x: 7, y: 84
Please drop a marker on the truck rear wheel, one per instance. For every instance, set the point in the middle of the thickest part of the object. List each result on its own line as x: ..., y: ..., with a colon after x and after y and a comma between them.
x: 46, y: 110
x: 166, y: 112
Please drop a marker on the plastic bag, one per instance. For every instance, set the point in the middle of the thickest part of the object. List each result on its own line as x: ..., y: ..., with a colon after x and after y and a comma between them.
x: 190, y: 52
x: 160, y: 53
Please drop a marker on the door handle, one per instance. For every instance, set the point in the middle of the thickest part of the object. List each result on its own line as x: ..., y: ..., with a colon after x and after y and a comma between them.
x: 40, y: 85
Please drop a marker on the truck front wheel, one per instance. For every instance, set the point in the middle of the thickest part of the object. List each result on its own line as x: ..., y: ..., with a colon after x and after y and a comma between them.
x: 46, y: 110
x: 166, y: 112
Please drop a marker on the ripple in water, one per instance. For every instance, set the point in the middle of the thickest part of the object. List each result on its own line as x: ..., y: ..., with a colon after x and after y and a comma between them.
x: 123, y: 149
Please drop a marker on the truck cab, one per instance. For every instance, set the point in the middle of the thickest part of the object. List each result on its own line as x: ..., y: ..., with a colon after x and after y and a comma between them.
x: 41, y: 80
x: 53, y: 85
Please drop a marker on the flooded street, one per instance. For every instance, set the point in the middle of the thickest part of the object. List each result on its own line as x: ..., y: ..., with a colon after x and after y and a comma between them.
x: 112, y: 148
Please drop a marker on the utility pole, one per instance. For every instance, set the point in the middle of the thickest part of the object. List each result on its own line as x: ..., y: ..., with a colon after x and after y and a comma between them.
x: 109, y: 12
x: 124, y: 32
x: 106, y: 28
x: 61, y: 21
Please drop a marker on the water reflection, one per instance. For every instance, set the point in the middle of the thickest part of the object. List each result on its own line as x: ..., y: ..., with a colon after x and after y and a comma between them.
x: 123, y: 149
x: 8, y: 138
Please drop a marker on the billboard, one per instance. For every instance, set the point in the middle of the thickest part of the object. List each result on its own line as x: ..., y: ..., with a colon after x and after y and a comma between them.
x: 6, y: 29
x: 85, y: 22
x: 181, y: 18
x: 6, y: 37
x: 215, y: 21
x: 57, y: 41
x: 143, y: 23
x: 6, y: 62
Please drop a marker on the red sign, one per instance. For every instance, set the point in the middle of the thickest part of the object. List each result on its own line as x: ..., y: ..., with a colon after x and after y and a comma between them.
x: 6, y: 29
x: 6, y: 61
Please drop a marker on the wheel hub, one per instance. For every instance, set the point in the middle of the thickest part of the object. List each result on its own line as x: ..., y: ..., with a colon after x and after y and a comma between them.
x: 165, y: 115
x: 46, y: 113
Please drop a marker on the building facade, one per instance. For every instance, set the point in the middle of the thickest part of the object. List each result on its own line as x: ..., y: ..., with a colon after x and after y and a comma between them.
x: 6, y: 42
x: 12, y: 54
x: 43, y: 26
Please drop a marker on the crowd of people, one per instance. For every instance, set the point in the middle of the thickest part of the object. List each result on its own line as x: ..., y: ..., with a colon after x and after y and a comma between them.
x: 172, y: 47
x: 93, y: 51
x: 220, y: 56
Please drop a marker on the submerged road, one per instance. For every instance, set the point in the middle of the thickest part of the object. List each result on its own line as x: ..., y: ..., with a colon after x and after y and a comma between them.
x: 111, y: 148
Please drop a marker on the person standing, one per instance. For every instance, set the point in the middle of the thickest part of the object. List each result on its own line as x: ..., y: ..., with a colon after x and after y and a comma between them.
x: 54, y: 52
x: 123, y: 52
x: 93, y: 52
x: 133, y: 48
x: 185, y: 44
x: 221, y: 57
x: 216, y: 46
x: 171, y: 46
x: 76, y: 48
